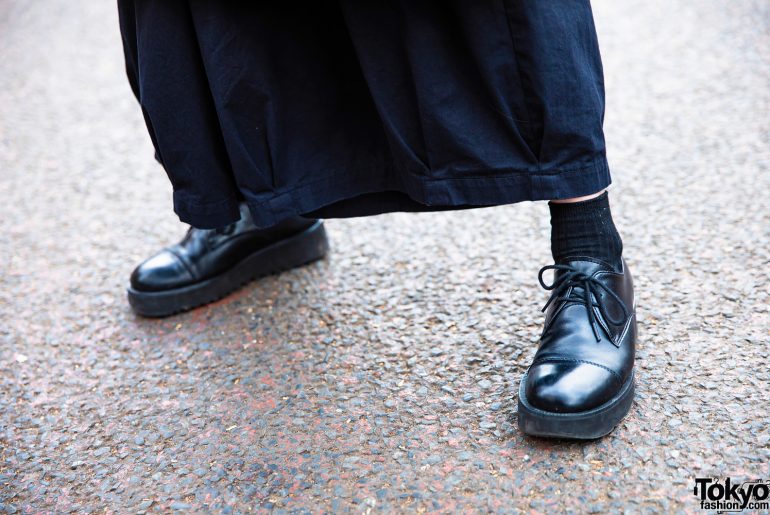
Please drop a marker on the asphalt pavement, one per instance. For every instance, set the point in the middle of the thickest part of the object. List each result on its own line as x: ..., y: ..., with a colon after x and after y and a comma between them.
x: 385, y: 377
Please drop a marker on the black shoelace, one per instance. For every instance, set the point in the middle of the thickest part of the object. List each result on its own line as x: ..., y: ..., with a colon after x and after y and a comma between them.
x: 574, y: 277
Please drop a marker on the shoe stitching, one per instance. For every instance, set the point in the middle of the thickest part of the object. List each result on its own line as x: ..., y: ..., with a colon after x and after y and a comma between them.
x: 627, y: 327
x: 182, y: 260
x: 556, y: 359
x: 616, y: 340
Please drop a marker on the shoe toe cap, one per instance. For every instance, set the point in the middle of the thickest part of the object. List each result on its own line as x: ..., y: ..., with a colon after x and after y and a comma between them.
x: 569, y: 387
x: 163, y: 271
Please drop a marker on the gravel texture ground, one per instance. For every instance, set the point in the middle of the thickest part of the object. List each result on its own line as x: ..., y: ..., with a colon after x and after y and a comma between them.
x: 383, y: 378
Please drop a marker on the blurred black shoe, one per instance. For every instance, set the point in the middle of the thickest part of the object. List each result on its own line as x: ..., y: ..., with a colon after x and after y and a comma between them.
x: 208, y: 264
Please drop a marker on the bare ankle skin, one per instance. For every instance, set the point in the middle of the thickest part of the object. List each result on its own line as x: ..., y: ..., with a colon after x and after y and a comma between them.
x: 578, y: 199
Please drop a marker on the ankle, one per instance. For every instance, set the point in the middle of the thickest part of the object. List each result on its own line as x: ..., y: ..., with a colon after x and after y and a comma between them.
x: 585, y: 229
x: 575, y: 200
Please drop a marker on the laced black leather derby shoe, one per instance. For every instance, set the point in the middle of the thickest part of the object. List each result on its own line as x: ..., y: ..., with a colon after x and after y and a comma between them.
x: 581, y: 382
x: 211, y: 263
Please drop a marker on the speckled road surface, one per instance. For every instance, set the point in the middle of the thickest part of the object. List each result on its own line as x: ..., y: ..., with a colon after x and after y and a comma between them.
x: 383, y: 378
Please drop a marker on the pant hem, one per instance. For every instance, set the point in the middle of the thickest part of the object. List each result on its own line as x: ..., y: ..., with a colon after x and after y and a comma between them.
x: 478, y: 188
x: 206, y: 215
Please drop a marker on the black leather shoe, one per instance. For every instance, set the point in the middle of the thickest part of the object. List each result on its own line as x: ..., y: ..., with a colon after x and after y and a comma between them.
x: 581, y: 382
x: 211, y: 263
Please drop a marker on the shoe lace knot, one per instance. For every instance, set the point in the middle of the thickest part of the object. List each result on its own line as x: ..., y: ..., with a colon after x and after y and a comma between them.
x: 563, y: 290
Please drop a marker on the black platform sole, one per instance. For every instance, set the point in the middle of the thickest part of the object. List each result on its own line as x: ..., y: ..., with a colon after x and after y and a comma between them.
x: 586, y: 425
x: 308, y: 246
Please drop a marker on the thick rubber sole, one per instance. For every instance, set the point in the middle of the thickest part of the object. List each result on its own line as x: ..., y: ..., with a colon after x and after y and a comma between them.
x: 303, y: 248
x: 586, y: 425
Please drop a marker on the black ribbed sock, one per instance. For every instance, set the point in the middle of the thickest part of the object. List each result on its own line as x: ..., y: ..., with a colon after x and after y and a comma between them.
x: 585, y: 229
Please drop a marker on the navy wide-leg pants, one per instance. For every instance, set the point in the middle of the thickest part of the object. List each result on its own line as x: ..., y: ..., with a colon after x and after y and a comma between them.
x: 350, y: 108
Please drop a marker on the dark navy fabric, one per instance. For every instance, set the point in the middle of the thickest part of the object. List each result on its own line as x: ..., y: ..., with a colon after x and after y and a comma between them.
x: 352, y: 108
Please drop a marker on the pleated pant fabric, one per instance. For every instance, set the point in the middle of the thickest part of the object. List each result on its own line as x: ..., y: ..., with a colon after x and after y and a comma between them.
x: 352, y: 108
